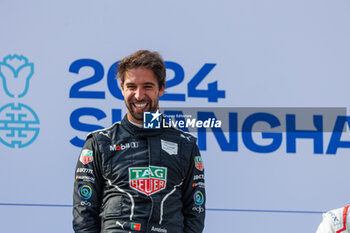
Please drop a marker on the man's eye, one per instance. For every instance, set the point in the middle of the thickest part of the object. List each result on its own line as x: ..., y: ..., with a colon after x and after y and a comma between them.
x: 148, y: 86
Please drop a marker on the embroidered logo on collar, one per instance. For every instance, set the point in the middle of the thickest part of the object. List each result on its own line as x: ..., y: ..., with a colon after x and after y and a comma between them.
x: 169, y: 147
x: 86, y: 156
x: 148, y: 180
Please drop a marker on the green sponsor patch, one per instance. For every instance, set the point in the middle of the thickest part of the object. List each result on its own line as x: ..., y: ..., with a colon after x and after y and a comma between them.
x: 86, y: 156
x: 198, y: 162
x: 148, y: 180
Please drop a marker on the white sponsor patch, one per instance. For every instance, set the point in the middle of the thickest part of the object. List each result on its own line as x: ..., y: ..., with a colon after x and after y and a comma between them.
x: 169, y: 147
x: 198, y: 177
x: 158, y: 229
x: 86, y: 178
x: 85, y: 170
x: 124, y: 146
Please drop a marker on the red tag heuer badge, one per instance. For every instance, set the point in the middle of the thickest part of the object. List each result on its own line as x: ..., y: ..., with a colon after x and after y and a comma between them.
x: 86, y: 156
x: 198, y: 162
x: 147, y: 180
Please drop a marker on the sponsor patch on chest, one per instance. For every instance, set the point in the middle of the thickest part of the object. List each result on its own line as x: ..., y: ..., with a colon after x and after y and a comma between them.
x: 198, y: 162
x: 123, y: 146
x: 86, y: 156
x: 170, y: 147
x: 148, y: 180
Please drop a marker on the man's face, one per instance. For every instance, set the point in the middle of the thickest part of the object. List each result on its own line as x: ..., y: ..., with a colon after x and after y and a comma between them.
x: 141, y: 93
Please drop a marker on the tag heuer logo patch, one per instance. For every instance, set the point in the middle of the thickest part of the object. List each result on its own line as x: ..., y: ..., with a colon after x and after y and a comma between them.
x: 148, y: 180
x: 198, y: 162
x: 86, y: 156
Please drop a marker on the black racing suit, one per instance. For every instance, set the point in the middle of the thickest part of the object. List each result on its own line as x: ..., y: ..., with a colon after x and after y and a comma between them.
x: 130, y: 179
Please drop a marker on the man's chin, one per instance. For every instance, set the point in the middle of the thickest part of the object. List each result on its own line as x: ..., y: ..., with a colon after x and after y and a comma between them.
x: 137, y: 116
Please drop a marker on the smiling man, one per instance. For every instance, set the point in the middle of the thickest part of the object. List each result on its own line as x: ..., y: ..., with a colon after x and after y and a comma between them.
x: 141, y: 84
x: 131, y: 179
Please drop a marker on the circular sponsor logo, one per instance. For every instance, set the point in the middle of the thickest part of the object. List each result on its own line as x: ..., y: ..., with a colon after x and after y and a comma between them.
x: 198, y: 198
x: 85, y: 191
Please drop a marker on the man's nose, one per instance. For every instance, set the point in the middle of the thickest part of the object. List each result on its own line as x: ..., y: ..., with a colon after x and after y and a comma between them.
x: 139, y: 94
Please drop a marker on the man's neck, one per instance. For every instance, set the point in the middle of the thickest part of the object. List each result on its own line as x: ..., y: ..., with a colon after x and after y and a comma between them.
x: 136, y: 124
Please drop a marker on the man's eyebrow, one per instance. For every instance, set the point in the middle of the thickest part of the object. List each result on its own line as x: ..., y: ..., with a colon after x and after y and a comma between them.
x: 149, y: 83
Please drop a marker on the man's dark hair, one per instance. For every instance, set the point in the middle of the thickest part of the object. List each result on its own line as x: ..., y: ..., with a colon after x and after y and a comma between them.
x: 145, y: 59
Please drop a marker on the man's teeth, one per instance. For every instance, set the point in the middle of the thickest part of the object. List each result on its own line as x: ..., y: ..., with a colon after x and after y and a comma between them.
x: 140, y: 106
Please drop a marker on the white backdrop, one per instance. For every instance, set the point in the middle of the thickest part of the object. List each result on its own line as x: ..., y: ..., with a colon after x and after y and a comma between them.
x: 267, y: 54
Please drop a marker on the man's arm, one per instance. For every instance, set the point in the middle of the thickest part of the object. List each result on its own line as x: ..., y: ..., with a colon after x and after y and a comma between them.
x: 88, y: 187
x: 194, y: 194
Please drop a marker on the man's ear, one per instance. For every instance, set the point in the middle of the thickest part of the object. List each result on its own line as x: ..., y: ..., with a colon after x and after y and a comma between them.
x: 122, y: 87
x: 162, y: 90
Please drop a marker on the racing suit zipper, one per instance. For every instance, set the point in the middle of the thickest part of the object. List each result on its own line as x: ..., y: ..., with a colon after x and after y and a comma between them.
x: 151, y: 212
x: 149, y: 164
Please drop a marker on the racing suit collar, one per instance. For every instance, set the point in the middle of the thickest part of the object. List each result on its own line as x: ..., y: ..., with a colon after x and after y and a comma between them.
x: 139, y: 132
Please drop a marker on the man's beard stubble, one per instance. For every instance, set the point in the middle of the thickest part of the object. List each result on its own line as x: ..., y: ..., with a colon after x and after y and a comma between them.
x: 139, y: 116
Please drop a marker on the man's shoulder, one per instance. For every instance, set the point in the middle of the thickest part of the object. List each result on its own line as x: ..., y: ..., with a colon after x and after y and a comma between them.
x: 180, y: 135
x: 104, y: 134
